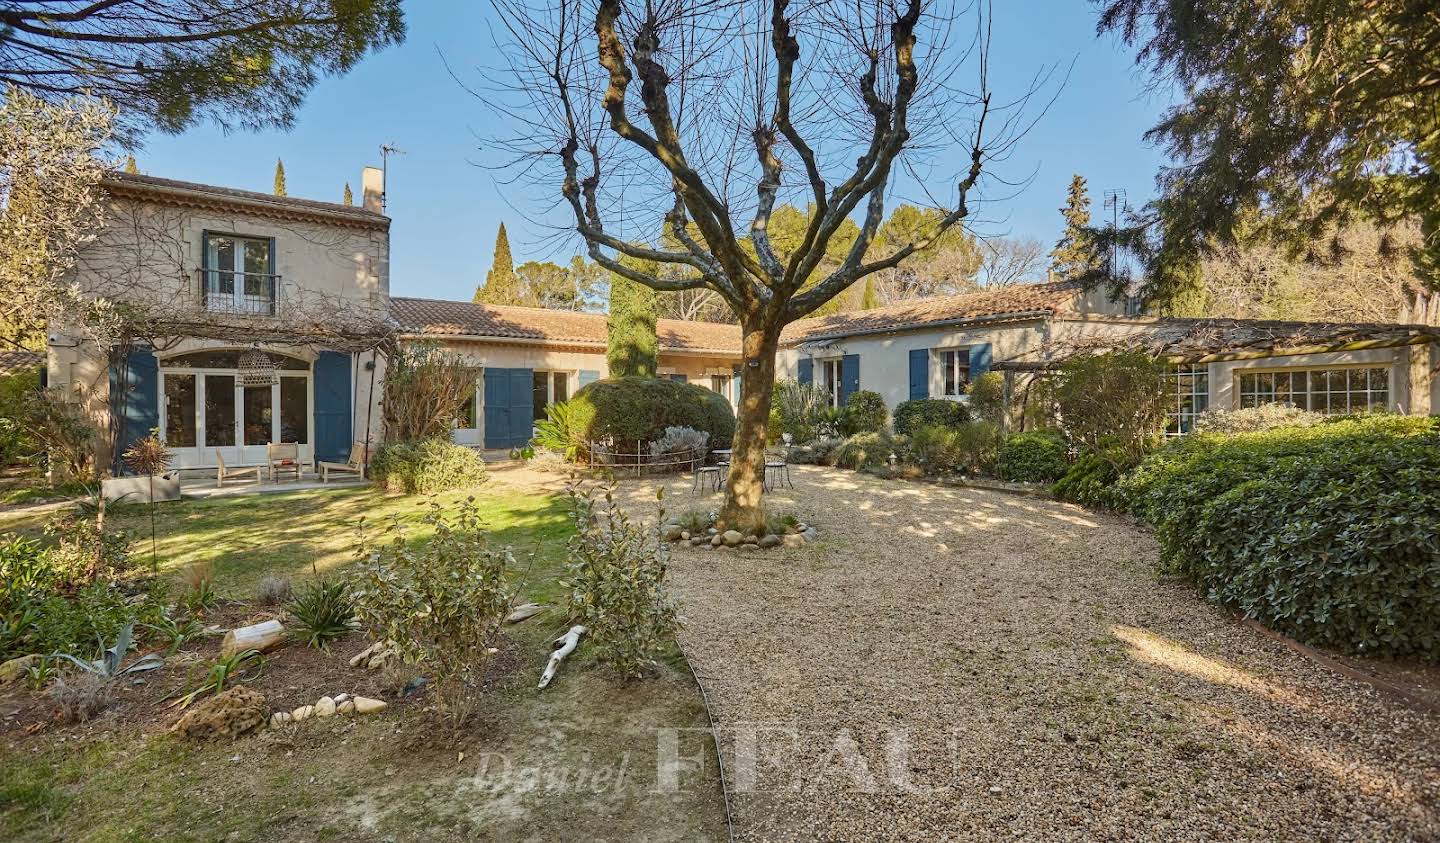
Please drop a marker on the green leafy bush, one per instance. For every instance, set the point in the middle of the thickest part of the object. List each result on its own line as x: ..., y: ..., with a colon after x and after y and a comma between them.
x: 1325, y: 533
x: 870, y: 450
x: 799, y: 407
x: 615, y: 572
x: 1091, y: 480
x: 633, y: 412
x: 916, y: 413
x: 1255, y: 419
x: 967, y: 448
x: 17, y: 442
x: 323, y: 612
x: 864, y: 413
x: 443, y: 601
x: 987, y: 397
x: 1033, y: 457
x: 425, y: 466
x: 1113, y: 405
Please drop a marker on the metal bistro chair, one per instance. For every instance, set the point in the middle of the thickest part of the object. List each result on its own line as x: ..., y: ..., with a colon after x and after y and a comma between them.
x: 777, y: 467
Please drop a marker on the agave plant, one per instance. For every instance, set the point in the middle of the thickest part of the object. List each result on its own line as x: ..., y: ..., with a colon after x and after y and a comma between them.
x: 110, y: 665
x: 323, y: 612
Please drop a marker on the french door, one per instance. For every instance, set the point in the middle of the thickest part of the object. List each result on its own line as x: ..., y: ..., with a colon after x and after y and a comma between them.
x: 205, y: 412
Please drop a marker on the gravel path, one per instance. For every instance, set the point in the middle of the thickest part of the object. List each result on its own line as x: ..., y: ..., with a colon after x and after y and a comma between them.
x: 953, y: 664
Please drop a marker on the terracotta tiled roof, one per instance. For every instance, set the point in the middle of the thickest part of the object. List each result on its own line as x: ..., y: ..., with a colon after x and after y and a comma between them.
x: 196, y: 194
x: 1053, y: 297
x: 440, y: 318
x: 13, y: 362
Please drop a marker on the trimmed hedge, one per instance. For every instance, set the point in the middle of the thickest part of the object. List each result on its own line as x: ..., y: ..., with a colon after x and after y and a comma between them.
x: 916, y: 413
x: 1033, y: 457
x: 1325, y: 533
x: 425, y: 466
x: 870, y: 450
x: 635, y: 411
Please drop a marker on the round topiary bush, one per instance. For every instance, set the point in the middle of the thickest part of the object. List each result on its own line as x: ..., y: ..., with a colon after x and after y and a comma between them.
x: 916, y: 413
x: 1035, y: 457
x: 632, y: 412
x: 425, y: 466
x: 865, y: 412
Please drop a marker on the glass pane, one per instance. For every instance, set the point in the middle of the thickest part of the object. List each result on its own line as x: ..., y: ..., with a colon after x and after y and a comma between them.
x: 257, y: 415
x: 562, y: 387
x: 180, y: 411
x: 539, y: 392
x: 294, y: 410
x: 949, y: 360
x: 229, y: 360
x: 219, y: 411
x: 222, y: 256
x: 465, y: 418
x: 257, y: 269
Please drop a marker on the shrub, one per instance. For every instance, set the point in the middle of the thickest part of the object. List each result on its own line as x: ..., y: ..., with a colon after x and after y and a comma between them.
x: 17, y: 442
x: 799, y: 406
x: 79, y: 696
x: 1034, y: 457
x: 62, y: 428
x: 200, y: 595
x: 870, y: 450
x: 1254, y: 419
x: 425, y: 387
x: 323, y: 612
x: 1112, y: 404
x: 85, y: 550
x: 273, y: 590
x: 631, y: 412
x: 815, y: 452
x: 1325, y: 533
x: 681, y: 443
x: 1091, y: 480
x: 443, y: 602
x: 987, y: 397
x: 935, y: 449
x: 864, y: 413
x: 916, y: 413
x: 426, y: 466
x: 615, y: 571
x: 560, y: 431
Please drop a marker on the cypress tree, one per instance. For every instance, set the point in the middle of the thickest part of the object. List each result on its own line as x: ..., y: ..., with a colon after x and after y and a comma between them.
x: 1075, y: 253
x: 501, y: 285
x: 632, y: 346
x: 130, y: 166
x: 869, y: 300
x: 279, y: 177
x: 349, y: 200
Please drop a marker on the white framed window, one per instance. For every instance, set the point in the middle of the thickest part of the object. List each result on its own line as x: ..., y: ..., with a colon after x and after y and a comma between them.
x: 237, y: 274
x: 830, y: 380
x: 548, y: 388
x: 954, y: 371
x: 1188, y: 387
x: 1337, y: 391
x: 721, y: 384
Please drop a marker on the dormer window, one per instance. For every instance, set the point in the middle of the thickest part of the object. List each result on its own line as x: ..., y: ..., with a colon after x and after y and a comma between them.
x: 238, y: 275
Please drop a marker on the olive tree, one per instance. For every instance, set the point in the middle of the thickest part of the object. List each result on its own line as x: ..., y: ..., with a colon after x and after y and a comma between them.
x: 674, y: 129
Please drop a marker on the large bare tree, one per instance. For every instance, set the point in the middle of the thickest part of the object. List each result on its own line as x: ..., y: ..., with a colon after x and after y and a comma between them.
x: 683, y: 123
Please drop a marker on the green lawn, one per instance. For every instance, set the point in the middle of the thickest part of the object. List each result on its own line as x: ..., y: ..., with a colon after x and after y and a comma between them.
x: 390, y: 777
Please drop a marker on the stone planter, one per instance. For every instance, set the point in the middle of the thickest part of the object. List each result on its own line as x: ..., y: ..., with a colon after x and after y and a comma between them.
x: 137, y: 489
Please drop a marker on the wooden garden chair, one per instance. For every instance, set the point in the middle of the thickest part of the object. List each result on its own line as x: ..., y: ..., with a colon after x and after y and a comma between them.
x: 283, y: 457
x: 222, y: 473
x: 354, y: 465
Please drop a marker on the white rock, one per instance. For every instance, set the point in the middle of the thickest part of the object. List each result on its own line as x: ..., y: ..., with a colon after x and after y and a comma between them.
x: 279, y: 718
x: 302, y: 713
x: 365, y: 705
x: 346, y: 708
x: 340, y: 698
x: 324, y: 707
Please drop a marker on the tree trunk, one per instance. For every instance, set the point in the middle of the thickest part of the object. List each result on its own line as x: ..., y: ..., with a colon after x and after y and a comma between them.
x: 744, y: 510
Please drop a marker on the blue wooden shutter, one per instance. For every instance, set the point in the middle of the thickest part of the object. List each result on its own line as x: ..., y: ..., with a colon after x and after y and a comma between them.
x: 979, y: 360
x: 919, y: 373
x: 849, y: 377
x: 333, y: 428
x: 135, y: 398
x: 588, y: 376
x: 805, y: 370
x: 509, y: 407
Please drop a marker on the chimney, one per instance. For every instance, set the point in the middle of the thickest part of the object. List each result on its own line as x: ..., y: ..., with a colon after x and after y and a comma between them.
x: 372, y: 182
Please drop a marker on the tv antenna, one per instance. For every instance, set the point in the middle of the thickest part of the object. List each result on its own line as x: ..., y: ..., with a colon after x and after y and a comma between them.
x: 1115, y: 203
x: 386, y: 151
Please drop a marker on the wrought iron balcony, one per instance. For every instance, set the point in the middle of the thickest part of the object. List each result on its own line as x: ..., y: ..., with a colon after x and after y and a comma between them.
x: 227, y: 291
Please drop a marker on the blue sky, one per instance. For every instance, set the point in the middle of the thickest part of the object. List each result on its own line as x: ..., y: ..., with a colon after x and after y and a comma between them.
x: 445, y: 208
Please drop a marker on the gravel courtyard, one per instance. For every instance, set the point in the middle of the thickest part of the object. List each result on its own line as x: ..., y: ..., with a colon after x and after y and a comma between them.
x: 953, y: 664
